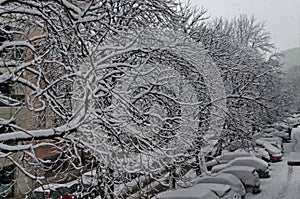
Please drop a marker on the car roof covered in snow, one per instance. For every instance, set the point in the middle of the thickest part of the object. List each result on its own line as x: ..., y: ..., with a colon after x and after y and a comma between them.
x: 270, y: 148
x: 219, y: 167
x: 231, y: 155
x: 47, y: 187
x: 272, y: 138
x: 227, y: 176
x: 219, y: 189
x: 248, y: 159
x: 235, y: 153
x: 188, y: 194
x: 239, y: 168
x: 223, y: 178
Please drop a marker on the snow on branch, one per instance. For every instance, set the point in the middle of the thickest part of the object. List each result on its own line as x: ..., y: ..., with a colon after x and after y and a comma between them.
x: 36, y: 134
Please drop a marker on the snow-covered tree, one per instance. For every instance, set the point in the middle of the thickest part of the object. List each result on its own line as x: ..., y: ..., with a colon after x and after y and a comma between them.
x: 243, y: 51
x: 107, y: 85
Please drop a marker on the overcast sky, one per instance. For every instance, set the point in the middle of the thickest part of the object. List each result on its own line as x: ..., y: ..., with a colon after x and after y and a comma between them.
x: 282, y: 17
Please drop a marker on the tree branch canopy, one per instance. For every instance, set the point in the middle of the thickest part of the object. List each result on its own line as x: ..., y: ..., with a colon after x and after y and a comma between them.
x: 130, y: 88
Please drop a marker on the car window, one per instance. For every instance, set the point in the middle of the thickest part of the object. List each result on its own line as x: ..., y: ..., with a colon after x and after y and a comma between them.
x: 55, y: 194
x: 59, y: 192
x: 64, y: 190
x: 38, y: 195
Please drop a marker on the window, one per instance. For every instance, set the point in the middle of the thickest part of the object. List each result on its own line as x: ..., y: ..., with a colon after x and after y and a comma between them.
x: 5, y: 87
x: 9, y: 89
x: 7, y: 181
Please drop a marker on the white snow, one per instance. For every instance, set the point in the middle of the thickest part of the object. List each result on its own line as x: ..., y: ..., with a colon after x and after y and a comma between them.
x: 284, y: 182
x: 188, y: 194
x: 223, y: 178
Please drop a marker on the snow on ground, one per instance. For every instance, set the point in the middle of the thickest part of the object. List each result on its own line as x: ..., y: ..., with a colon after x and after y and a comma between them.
x: 285, y: 181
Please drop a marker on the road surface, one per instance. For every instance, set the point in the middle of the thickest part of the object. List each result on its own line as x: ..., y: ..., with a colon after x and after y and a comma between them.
x: 285, y: 180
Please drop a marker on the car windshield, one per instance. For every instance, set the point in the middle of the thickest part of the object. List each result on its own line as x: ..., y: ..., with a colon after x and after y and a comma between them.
x: 59, y: 192
x: 38, y: 195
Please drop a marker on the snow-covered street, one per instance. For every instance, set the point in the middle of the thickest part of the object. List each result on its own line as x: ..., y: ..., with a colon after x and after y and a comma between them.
x: 284, y: 182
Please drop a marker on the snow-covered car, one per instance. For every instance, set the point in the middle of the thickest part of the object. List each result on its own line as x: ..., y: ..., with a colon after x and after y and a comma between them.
x: 261, y: 153
x: 281, y: 134
x: 223, y: 178
x: 51, y: 191
x: 262, y: 135
x: 258, y: 152
x: 275, y: 141
x: 187, y: 194
x: 260, y: 165
x: 221, y: 190
x: 293, y: 121
x: 226, y: 157
x: 247, y: 175
x: 268, y: 130
x: 274, y: 152
x: 281, y: 126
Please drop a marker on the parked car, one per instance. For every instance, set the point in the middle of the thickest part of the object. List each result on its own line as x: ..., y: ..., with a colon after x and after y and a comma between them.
x: 281, y: 134
x: 258, y: 152
x: 275, y: 141
x: 260, y: 165
x: 261, y: 153
x: 51, y: 191
x: 262, y: 135
x: 221, y: 190
x: 203, y: 190
x: 223, y: 178
x: 268, y: 130
x: 274, y: 152
x: 293, y: 121
x: 187, y: 194
x: 281, y: 126
x: 226, y: 157
x: 247, y: 175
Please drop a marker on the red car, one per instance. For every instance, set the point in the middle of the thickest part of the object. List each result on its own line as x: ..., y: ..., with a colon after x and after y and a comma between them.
x: 275, y: 153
